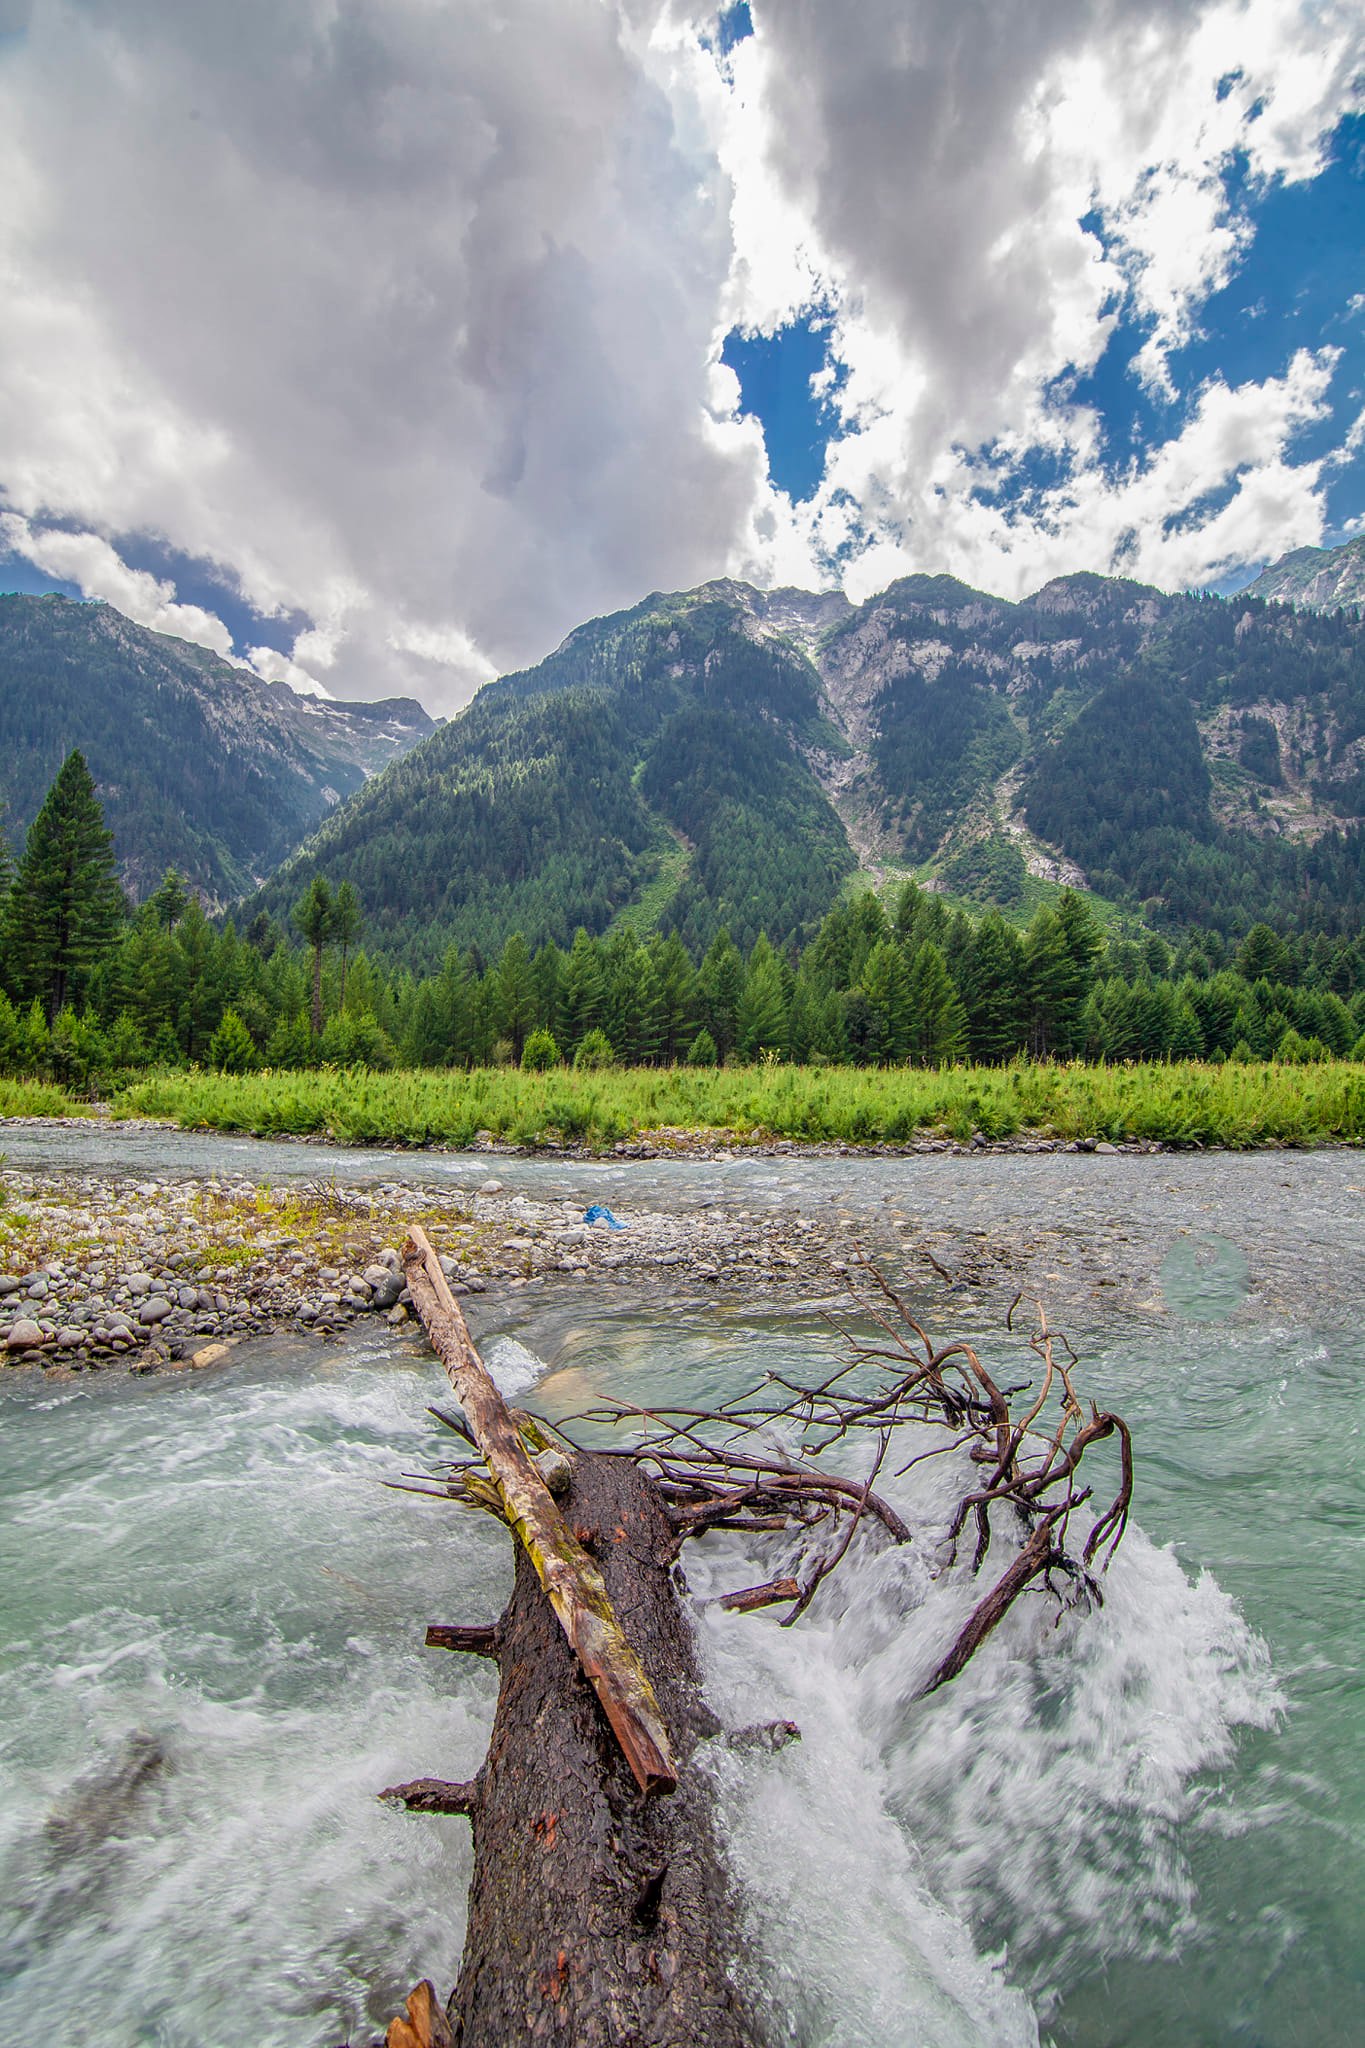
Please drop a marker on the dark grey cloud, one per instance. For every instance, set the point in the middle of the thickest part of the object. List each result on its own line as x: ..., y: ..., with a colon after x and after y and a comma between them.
x: 407, y: 315
x: 402, y: 312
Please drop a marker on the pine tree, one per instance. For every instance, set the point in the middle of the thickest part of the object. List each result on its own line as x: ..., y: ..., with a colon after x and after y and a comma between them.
x: 1083, y: 942
x: 582, y: 991
x: 938, y: 1022
x: 995, y: 1022
x: 169, y: 901
x: 1049, y: 985
x: 347, y: 919
x: 516, y: 993
x: 720, y: 983
x: 761, y: 1019
x: 676, y: 991
x: 231, y: 1049
x: 66, y: 907
x: 884, y: 988
x: 312, y: 916
x: 1262, y: 955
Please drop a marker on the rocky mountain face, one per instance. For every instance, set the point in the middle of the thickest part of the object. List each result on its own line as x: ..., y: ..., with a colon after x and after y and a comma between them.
x: 728, y: 756
x: 200, y: 766
x: 1322, y: 579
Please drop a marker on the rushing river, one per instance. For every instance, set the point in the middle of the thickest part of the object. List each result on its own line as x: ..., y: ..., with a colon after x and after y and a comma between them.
x: 1143, y: 1827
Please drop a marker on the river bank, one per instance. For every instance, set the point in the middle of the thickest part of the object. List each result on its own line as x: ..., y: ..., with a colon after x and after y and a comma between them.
x: 101, y: 1268
x: 143, y: 1247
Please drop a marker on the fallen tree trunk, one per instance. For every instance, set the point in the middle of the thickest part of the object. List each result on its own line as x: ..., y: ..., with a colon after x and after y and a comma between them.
x: 596, y: 1915
x: 571, y: 1580
x: 600, y: 1911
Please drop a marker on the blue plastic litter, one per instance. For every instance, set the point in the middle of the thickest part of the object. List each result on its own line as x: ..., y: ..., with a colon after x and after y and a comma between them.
x: 597, y: 1214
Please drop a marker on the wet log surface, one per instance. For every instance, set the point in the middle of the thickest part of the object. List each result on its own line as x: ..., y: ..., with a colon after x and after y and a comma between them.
x: 598, y: 1915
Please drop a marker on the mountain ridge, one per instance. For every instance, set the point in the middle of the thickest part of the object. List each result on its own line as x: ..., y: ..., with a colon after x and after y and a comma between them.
x: 1321, y: 579
x: 201, y: 765
x: 762, y: 747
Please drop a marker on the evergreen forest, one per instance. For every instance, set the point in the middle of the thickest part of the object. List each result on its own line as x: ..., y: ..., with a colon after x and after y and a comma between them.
x: 90, y: 989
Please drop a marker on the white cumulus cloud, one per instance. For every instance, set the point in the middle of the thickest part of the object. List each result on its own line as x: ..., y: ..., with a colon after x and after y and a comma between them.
x: 407, y: 319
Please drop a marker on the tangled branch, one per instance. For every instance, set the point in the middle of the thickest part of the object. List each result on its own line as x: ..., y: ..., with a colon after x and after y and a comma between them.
x: 762, y: 1463
x: 759, y: 1463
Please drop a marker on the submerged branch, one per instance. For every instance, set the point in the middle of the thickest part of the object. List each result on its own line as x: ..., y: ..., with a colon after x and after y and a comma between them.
x: 755, y: 1464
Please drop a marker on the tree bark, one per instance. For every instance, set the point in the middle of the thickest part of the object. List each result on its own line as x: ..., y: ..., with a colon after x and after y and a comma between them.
x: 600, y: 1911
x: 598, y: 1917
x: 571, y: 1580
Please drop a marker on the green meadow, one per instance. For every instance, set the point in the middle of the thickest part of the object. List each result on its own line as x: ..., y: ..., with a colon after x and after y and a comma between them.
x: 1239, y: 1105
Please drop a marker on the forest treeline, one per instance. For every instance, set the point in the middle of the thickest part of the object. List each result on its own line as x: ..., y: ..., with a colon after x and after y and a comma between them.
x: 89, y: 990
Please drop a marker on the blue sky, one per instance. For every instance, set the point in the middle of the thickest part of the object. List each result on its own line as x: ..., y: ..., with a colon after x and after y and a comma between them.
x: 380, y: 351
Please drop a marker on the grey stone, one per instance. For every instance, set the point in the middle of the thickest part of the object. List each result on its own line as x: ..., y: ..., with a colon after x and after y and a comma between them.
x: 24, y: 1335
x: 154, y: 1311
x: 9, y: 1285
x: 37, y: 1289
x: 138, y: 1283
x: 386, y: 1285
x: 70, y: 1337
x: 188, y: 1297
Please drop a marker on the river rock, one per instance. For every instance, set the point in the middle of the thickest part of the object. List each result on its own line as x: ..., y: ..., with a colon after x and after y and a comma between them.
x: 24, y: 1335
x: 154, y: 1311
x: 9, y: 1285
x: 385, y: 1285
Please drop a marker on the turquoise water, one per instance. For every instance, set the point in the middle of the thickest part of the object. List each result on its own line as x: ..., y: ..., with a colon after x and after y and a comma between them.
x: 1145, y: 1826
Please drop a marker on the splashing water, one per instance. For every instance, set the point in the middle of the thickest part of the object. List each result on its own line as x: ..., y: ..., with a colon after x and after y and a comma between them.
x: 1125, y: 1827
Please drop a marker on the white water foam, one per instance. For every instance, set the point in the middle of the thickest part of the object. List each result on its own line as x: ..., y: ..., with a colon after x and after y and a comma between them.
x: 513, y: 1368
x: 925, y: 1863
x: 237, y: 1583
x: 221, y: 1571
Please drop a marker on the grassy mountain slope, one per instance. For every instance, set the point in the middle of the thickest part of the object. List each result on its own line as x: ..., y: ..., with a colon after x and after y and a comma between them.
x: 723, y: 756
x: 200, y: 766
x: 563, y: 794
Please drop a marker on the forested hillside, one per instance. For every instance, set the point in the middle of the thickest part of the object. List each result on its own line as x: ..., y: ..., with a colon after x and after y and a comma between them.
x: 660, y: 754
x: 724, y: 757
x: 200, y: 766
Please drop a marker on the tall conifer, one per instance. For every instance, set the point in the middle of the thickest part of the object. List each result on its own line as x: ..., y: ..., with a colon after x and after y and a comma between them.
x: 312, y: 916
x: 66, y: 906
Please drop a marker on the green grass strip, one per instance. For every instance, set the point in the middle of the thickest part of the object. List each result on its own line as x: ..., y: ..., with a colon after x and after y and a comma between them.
x: 1185, y: 1103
